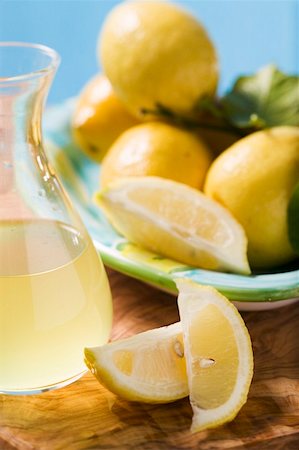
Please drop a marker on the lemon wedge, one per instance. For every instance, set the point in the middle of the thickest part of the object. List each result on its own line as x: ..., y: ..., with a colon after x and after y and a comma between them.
x: 218, y: 354
x: 207, y: 355
x: 148, y: 367
x: 177, y: 221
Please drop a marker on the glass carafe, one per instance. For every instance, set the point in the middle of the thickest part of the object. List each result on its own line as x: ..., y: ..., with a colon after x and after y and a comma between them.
x: 54, y: 293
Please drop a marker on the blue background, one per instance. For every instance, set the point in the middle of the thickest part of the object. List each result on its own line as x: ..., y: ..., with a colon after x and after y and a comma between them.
x: 247, y: 34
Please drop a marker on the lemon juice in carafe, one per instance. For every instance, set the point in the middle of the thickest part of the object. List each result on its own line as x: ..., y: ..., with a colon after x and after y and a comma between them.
x: 54, y: 293
x: 55, y: 300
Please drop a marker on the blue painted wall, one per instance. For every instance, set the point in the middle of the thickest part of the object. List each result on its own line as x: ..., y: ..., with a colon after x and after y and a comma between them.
x: 247, y: 34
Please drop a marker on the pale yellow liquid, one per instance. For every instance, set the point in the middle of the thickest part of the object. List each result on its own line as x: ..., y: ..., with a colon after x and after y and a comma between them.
x: 54, y: 301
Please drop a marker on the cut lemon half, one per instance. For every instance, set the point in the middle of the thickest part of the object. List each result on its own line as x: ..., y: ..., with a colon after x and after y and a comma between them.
x: 218, y: 354
x: 148, y: 367
x: 177, y: 221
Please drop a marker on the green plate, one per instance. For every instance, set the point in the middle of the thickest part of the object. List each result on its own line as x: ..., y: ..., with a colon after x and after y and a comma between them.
x: 80, y: 179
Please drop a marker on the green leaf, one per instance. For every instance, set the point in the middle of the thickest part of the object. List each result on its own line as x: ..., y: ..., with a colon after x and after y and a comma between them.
x: 268, y: 98
x: 293, y: 219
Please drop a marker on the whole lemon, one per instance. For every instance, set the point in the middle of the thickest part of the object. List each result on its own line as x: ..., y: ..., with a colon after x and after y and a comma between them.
x: 254, y: 179
x: 155, y: 53
x: 99, y: 118
x: 157, y: 149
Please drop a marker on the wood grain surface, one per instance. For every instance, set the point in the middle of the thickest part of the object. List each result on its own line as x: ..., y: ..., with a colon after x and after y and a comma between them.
x: 85, y: 415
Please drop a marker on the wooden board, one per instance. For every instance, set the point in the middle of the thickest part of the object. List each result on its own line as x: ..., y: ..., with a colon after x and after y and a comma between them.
x: 85, y: 415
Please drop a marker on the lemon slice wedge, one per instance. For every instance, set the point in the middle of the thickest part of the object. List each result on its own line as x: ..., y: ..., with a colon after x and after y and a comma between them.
x: 207, y: 355
x: 148, y: 367
x: 176, y: 221
x: 218, y: 354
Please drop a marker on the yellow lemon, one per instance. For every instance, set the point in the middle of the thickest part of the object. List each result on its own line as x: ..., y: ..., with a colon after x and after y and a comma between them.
x: 156, y: 53
x: 218, y: 354
x: 148, y: 367
x: 254, y: 179
x: 207, y: 355
x: 99, y: 118
x: 177, y: 221
x: 159, y: 149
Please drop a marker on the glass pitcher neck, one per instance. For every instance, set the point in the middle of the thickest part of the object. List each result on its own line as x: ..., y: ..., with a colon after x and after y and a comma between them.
x: 26, y: 73
x: 21, y: 106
